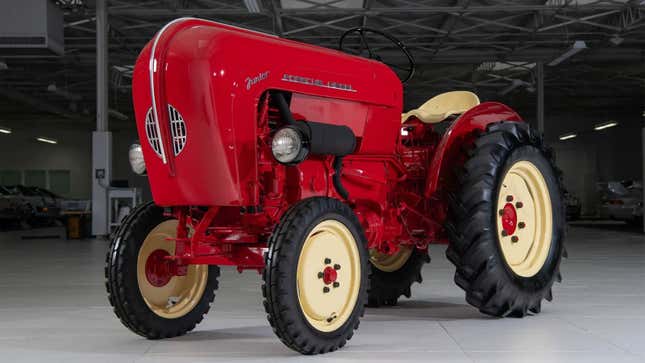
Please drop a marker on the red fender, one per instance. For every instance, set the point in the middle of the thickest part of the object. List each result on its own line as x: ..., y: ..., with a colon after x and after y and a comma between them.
x: 446, y: 154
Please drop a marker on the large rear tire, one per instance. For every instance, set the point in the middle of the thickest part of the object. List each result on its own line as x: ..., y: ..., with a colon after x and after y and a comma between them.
x: 393, y: 275
x: 146, y: 297
x: 315, y: 278
x: 507, y: 222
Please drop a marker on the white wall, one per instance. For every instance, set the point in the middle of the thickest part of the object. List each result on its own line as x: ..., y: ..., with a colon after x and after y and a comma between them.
x: 20, y: 151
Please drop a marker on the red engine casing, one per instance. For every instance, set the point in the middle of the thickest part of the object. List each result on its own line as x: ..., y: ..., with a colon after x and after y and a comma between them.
x: 213, y: 76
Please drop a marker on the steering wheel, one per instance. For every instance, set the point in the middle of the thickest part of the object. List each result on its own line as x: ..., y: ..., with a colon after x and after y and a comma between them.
x: 371, y: 53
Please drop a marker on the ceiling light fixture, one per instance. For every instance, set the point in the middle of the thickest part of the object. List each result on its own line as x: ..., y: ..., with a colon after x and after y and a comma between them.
x: 253, y: 6
x: 605, y: 125
x: 47, y: 140
x: 568, y: 136
x: 616, y: 40
x: 118, y: 115
x: 5, y: 130
x: 577, y: 46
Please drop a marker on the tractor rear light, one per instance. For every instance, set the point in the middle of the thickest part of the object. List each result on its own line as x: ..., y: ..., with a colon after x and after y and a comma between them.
x: 289, y: 145
x: 135, y: 155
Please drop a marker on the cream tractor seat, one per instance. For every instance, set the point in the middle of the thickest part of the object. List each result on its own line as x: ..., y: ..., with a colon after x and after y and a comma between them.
x: 439, y: 107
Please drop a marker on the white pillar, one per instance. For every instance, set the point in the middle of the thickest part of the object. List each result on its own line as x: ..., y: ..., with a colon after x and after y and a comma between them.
x: 101, y: 138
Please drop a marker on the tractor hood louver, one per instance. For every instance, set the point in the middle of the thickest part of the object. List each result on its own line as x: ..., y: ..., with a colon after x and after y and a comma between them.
x: 177, y: 131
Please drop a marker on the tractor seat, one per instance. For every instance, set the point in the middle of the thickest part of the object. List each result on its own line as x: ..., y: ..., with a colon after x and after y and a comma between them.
x: 439, y: 107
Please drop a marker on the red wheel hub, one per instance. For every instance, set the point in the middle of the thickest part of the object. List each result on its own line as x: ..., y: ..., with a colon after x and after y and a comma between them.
x: 159, y: 270
x: 329, y: 275
x: 509, y: 219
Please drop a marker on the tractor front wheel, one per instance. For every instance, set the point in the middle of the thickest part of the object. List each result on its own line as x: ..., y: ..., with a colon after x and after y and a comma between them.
x: 393, y: 275
x: 315, y: 278
x: 147, y: 294
x: 507, y: 222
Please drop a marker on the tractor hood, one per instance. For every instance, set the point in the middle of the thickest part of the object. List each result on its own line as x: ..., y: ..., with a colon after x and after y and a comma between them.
x: 196, y: 88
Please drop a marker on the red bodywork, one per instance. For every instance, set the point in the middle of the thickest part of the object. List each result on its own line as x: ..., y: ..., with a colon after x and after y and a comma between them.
x: 224, y: 184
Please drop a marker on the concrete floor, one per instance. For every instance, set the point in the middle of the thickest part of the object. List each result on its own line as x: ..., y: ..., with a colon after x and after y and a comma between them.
x: 53, y: 308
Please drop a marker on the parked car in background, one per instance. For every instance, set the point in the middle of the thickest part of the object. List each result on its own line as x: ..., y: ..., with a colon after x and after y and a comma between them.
x: 42, y: 206
x: 622, y: 201
x: 12, y: 207
x: 573, y: 206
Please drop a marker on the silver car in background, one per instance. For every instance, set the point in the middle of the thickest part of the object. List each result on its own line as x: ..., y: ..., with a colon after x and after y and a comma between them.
x: 622, y: 201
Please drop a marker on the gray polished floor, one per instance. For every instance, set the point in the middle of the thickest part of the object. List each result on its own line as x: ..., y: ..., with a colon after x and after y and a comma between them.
x: 53, y: 309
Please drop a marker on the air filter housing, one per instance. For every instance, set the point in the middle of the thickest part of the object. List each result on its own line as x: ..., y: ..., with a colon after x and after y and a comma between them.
x: 31, y: 27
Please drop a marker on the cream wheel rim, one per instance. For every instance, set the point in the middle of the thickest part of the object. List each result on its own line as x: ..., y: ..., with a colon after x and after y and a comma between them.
x: 390, y: 263
x: 177, y: 296
x: 328, y: 275
x: 524, y: 219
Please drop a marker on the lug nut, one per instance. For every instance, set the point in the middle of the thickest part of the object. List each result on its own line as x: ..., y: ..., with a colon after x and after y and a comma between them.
x: 327, y: 260
x: 509, y: 198
x: 504, y: 233
x: 519, y: 205
x: 325, y: 289
x: 336, y: 284
x: 514, y: 239
x: 336, y: 267
x: 521, y: 225
x: 501, y: 212
x: 321, y: 275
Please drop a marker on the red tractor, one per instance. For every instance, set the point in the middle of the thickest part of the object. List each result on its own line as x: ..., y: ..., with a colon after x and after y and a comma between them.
x: 296, y: 161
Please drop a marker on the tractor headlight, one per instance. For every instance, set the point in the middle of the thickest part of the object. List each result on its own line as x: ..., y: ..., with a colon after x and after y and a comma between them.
x: 289, y: 145
x: 135, y: 155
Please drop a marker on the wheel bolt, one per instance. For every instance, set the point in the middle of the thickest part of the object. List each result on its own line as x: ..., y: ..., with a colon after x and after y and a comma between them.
x: 514, y: 239
x: 325, y: 289
x: 321, y: 275
x: 327, y: 260
x: 336, y: 284
x: 501, y: 212
x: 509, y: 198
x: 519, y: 205
x: 521, y: 225
x: 504, y: 233
x: 336, y: 267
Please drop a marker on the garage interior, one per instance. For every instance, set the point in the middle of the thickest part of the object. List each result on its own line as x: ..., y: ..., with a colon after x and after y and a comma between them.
x: 573, y: 69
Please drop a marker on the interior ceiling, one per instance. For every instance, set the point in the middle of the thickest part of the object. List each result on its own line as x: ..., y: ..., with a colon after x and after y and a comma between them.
x: 481, y: 45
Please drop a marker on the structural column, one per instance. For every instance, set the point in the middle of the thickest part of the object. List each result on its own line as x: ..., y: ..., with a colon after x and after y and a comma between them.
x: 540, y: 96
x: 643, y: 162
x: 101, y: 138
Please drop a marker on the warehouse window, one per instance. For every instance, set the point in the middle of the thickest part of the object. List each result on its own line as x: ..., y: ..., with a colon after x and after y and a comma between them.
x: 60, y: 181
x: 36, y: 178
x: 10, y: 177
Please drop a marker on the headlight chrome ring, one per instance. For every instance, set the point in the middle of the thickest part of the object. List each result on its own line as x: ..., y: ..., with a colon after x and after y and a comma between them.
x: 135, y: 156
x: 289, y: 145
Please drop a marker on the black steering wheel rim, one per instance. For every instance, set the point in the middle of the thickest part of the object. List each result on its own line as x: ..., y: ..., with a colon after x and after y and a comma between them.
x: 361, y: 30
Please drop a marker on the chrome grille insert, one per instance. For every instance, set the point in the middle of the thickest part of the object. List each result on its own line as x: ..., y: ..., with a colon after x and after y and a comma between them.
x: 151, y: 132
x: 177, y: 131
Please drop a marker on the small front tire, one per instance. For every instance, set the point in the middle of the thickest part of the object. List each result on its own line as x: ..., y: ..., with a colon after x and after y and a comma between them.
x: 393, y: 275
x: 315, y: 278
x: 147, y: 299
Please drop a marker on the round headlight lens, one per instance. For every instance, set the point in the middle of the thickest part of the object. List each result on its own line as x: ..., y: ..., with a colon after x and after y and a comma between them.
x: 287, y: 146
x: 135, y: 155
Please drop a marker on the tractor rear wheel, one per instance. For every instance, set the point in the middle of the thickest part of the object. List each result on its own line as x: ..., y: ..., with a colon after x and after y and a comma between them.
x: 147, y: 297
x: 315, y: 278
x: 393, y: 275
x: 507, y: 222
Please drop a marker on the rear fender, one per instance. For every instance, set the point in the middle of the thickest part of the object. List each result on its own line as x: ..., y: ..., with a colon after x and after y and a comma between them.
x: 448, y: 154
